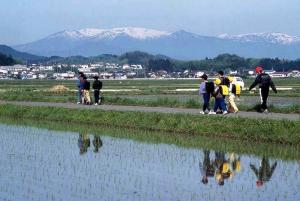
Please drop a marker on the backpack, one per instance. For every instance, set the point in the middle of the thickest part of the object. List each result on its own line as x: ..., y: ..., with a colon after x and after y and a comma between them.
x: 87, y: 85
x: 210, y: 87
x: 224, y: 90
x: 225, y: 81
x: 236, y: 89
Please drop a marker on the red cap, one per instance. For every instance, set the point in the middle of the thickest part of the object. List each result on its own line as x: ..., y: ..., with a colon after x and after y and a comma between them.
x: 259, y: 183
x: 258, y: 69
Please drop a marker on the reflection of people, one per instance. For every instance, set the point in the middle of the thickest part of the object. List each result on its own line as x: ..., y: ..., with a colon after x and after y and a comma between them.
x: 83, y: 143
x: 222, y: 168
x: 264, y: 80
x: 206, y: 168
x: 235, y: 161
x: 264, y: 172
x: 97, y: 142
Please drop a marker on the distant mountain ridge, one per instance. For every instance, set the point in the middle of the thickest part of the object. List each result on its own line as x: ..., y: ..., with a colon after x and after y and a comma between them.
x: 276, y: 38
x: 21, y: 56
x: 180, y: 45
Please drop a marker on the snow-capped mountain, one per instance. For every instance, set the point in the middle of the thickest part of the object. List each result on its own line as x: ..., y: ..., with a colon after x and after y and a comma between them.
x: 133, y: 32
x: 276, y: 38
x: 179, y: 45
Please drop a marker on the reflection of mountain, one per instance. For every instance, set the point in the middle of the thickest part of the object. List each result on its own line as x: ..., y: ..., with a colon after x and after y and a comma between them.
x: 179, y: 45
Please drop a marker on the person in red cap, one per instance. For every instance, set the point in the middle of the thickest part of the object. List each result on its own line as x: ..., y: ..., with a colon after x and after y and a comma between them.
x: 264, y: 81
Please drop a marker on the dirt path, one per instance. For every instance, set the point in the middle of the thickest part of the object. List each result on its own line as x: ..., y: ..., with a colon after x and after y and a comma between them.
x: 254, y: 115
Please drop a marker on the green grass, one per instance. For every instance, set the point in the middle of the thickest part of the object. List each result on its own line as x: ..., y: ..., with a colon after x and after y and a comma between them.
x: 243, y: 129
x: 278, y: 151
x: 162, y: 92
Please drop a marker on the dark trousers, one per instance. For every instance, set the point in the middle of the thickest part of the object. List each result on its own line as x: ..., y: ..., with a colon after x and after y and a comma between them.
x: 96, y: 95
x: 220, y: 103
x: 206, y: 98
x: 264, y: 93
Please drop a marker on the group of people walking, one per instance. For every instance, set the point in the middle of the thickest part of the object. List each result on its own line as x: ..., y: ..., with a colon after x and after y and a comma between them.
x: 83, y: 85
x: 223, y: 89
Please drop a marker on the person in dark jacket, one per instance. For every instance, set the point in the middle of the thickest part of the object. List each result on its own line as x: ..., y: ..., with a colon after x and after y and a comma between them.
x: 86, y: 99
x: 78, y: 84
x: 264, y: 172
x: 97, y: 86
x: 264, y: 81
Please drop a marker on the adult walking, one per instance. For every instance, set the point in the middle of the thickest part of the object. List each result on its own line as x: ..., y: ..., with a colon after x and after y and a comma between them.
x: 97, y: 86
x: 264, y: 81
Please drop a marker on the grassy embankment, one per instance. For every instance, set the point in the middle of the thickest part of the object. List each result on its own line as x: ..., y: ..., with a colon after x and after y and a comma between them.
x: 242, y: 129
x: 143, y: 91
x: 278, y: 151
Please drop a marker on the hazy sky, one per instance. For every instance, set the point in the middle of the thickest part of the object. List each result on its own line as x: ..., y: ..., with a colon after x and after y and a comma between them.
x: 24, y: 21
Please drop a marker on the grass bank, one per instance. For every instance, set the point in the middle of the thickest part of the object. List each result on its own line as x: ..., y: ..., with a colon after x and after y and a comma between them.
x: 159, y: 100
x: 242, y: 129
x: 284, y: 152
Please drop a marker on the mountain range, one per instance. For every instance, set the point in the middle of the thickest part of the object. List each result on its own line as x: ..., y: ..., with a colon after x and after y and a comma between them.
x: 179, y: 45
x: 20, y: 56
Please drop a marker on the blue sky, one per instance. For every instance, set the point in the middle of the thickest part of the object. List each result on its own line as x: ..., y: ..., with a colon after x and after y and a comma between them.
x: 24, y: 21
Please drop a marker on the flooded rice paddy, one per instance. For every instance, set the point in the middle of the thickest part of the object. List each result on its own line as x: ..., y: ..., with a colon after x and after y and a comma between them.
x: 40, y: 164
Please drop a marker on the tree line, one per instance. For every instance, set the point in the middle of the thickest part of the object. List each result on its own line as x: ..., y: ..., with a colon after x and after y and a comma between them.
x: 160, y: 62
x: 6, y: 60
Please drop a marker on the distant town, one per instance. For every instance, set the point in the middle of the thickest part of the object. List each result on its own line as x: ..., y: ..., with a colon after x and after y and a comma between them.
x: 112, y: 71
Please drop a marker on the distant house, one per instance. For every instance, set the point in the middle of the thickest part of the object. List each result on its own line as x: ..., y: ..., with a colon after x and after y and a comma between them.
x: 270, y: 71
x: 235, y: 72
x: 199, y: 74
x: 278, y: 74
x: 294, y: 73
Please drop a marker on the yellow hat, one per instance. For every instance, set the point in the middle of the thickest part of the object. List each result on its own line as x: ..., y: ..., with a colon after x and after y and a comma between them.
x: 230, y: 79
x: 217, y: 81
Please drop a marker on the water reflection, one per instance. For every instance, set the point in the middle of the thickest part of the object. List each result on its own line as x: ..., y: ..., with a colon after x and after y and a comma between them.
x: 207, y: 167
x: 97, y: 142
x: 222, y: 167
x: 264, y: 172
x: 84, y: 143
x: 131, y: 170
